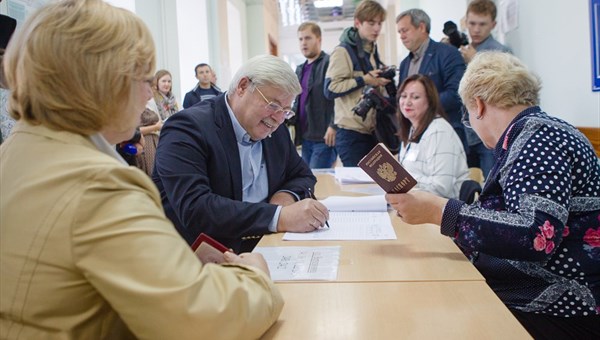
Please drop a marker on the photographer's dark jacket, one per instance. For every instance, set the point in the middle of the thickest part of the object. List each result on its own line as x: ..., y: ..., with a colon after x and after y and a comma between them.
x: 344, y: 81
x: 319, y: 109
x: 445, y: 66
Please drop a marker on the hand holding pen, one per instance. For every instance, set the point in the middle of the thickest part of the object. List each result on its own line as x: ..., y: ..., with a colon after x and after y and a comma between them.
x: 303, y: 216
x: 311, y: 195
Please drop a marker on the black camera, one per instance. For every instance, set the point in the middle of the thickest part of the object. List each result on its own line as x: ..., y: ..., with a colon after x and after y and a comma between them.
x: 372, y: 98
x: 456, y: 38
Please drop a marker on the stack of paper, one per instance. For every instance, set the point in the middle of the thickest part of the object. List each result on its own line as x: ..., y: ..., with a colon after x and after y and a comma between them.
x: 352, y: 175
x: 361, y: 203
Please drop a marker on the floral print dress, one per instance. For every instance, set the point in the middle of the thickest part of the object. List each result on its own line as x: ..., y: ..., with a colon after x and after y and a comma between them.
x: 534, y: 234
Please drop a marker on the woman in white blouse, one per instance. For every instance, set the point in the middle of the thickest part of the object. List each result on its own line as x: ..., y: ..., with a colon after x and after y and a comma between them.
x: 431, y: 151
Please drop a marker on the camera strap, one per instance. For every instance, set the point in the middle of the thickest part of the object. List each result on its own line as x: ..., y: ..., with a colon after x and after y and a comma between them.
x: 359, y: 58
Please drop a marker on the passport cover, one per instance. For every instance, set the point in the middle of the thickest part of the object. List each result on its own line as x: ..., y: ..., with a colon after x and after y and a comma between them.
x: 208, y: 249
x: 386, y: 171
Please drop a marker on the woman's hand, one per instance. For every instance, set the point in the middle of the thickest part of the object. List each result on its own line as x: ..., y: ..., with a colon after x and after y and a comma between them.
x: 158, y: 125
x: 417, y: 207
x: 248, y: 259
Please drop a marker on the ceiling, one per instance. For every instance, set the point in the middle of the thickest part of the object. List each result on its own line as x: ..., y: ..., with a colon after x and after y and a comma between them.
x: 325, y: 14
x: 295, y: 12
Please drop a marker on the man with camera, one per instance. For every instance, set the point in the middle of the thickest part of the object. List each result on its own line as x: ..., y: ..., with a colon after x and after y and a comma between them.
x: 355, y: 64
x: 481, y: 20
x: 442, y: 63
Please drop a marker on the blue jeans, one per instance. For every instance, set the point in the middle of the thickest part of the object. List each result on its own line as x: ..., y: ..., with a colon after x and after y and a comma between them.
x: 481, y: 157
x: 353, y: 146
x: 318, y: 155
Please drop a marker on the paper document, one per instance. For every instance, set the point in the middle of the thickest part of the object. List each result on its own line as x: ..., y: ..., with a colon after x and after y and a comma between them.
x: 301, y: 263
x: 361, y: 203
x: 351, y: 175
x: 350, y: 226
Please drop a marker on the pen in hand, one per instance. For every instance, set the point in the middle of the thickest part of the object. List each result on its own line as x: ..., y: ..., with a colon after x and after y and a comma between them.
x: 311, y: 195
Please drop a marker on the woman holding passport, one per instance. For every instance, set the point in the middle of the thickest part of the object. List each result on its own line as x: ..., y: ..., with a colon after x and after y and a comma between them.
x: 87, y: 252
x: 534, y: 234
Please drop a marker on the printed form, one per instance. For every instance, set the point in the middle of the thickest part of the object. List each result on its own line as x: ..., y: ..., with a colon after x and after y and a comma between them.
x: 301, y: 263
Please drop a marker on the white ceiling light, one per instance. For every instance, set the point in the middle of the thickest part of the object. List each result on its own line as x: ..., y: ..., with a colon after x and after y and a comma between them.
x: 328, y: 3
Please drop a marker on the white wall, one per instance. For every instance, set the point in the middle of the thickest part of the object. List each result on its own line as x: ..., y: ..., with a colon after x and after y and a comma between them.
x: 193, y: 38
x: 558, y: 50
x: 161, y: 18
x: 127, y: 4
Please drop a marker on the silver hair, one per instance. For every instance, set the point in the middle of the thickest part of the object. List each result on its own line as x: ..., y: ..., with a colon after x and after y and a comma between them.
x: 267, y: 70
x: 417, y: 16
x: 499, y: 79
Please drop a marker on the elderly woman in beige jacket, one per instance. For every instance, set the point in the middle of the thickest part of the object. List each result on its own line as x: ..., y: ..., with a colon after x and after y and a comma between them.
x: 86, y: 251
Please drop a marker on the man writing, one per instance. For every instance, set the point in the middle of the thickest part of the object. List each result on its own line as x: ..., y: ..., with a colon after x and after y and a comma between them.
x: 205, y: 89
x: 314, y: 126
x: 481, y: 20
x: 228, y: 168
x: 354, y: 64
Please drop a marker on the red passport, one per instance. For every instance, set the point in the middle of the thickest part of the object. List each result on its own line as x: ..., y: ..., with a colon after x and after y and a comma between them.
x: 386, y: 171
x: 208, y: 249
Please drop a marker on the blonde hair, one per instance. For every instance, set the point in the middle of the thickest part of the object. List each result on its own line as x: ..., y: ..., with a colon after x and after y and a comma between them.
x: 73, y: 64
x: 499, y: 79
x: 312, y: 26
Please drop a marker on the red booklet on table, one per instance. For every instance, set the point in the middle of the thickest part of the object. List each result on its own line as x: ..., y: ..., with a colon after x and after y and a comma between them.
x: 208, y: 249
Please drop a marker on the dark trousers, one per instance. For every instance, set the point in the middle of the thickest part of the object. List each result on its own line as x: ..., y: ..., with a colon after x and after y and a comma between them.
x: 352, y: 146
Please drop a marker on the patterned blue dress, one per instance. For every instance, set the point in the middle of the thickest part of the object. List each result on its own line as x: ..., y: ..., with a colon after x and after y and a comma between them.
x: 535, y: 232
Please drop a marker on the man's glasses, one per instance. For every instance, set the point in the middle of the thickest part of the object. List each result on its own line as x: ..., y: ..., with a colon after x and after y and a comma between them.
x: 276, y: 108
x: 465, y: 118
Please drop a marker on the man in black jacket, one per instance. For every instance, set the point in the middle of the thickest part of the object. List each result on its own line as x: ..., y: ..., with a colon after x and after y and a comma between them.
x: 314, y: 126
x: 205, y: 89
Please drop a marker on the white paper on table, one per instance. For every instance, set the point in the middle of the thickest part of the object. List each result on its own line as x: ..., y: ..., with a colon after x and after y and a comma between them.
x: 361, y: 203
x: 368, y: 189
x: 350, y: 226
x: 352, y: 175
x: 301, y: 263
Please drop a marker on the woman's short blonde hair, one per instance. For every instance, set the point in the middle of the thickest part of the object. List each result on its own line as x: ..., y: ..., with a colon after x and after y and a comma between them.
x: 499, y: 79
x: 73, y: 64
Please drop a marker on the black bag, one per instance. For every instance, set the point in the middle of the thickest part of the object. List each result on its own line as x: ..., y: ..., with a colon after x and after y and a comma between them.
x: 386, y: 128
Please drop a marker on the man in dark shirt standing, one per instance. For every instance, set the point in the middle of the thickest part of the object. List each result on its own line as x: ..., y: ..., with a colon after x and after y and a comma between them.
x: 481, y: 20
x: 205, y: 89
x: 314, y: 126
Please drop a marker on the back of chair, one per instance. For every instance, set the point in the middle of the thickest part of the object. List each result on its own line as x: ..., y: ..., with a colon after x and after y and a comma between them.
x: 469, y: 191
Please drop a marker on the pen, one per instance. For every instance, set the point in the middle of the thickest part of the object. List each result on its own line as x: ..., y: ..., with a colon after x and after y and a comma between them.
x: 311, y: 195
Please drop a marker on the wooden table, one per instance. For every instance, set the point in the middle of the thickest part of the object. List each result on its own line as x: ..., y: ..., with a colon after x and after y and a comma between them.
x: 419, y: 286
x: 393, y: 310
x: 421, y: 252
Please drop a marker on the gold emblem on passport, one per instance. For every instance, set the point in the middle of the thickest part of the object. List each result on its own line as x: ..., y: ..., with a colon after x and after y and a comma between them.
x: 386, y: 171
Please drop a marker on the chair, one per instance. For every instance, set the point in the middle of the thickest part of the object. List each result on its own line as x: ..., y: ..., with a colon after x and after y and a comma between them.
x: 469, y: 191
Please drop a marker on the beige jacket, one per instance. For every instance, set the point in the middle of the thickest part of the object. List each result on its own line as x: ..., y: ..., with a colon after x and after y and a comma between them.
x: 342, y: 75
x: 85, y: 244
